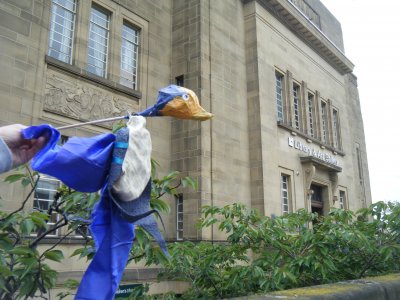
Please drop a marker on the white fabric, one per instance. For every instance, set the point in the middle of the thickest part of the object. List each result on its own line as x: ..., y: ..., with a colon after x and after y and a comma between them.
x: 136, y: 168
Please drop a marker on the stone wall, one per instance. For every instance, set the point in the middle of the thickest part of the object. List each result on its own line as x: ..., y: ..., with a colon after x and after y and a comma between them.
x: 374, y: 288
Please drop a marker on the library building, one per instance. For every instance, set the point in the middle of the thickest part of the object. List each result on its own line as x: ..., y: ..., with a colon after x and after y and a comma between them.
x: 287, y: 131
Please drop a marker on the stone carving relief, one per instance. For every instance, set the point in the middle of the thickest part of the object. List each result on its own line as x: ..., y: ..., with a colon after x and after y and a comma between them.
x: 82, y: 101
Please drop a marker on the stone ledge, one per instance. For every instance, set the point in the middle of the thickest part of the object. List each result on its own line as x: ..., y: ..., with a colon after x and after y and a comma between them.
x: 137, y: 274
x: 93, y: 78
x: 374, y: 288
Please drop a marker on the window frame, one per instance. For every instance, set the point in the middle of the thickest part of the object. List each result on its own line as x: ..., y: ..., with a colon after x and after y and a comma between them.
x: 280, y: 102
x: 324, y: 122
x: 336, y: 129
x: 55, y: 3
x: 179, y: 213
x: 80, y: 61
x: 288, y: 192
x: 44, y: 178
x: 343, y: 202
x: 311, y: 115
x: 136, y: 46
x: 297, y: 106
x: 92, y: 23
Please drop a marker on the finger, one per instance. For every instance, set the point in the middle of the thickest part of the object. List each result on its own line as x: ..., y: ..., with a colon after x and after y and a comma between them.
x: 38, y: 144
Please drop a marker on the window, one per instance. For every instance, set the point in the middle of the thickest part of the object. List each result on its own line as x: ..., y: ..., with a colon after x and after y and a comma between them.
x: 311, y: 114
x: 44, y: 196
x: 179, y: 217
x: 116, y: 59
x: 336, y: 130
x: 129, y: 55
x: 285, y: 180
x: 297, y: 106
x: 98, y: 41
x: 342, y: 199
x: 180, y: 80
x: 279, y: 95
x: 62, y: 30
x: 46, y: 191
x: 324, y: 122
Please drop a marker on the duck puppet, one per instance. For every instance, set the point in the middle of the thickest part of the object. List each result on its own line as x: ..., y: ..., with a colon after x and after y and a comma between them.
x: 120, y: 166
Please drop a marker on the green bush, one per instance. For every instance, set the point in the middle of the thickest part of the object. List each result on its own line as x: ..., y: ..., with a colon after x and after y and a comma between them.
x: 24, y: 270
x: 264, y: 254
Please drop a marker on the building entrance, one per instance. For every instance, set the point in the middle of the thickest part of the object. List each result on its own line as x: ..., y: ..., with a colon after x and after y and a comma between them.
x: 317, y: 201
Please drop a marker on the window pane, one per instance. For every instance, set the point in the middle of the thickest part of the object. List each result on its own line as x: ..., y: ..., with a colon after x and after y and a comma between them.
x: 68, y: 4
x: 336, y: 136
x: 179, y: 217
x: 45, y: 195
x: 62, y: 30
x: 279, y: 96
x: 297, y: 106
x: 311, y: 114
x: 324, y: 122
x: 342, y: 199
x: 129, y: 56
x: 285, y: 193
x: 98, y: 42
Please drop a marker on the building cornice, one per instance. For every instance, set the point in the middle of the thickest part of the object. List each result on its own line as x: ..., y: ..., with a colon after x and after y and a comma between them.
x: 296, y: 21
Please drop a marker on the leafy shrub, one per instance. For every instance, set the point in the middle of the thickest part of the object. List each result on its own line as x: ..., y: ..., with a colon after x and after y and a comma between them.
x: 264, y: 254
x: 24, y: 272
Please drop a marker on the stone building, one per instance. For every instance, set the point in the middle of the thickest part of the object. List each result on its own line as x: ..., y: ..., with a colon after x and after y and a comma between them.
x: 287, y: 132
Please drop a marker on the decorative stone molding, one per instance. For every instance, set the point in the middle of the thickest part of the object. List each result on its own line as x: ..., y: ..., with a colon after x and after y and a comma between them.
x: 83, y: 102
x: 309, y: 175
x: 333, y: 176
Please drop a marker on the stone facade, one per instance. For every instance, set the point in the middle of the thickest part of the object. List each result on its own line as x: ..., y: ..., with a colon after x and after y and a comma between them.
x: 229, y: 53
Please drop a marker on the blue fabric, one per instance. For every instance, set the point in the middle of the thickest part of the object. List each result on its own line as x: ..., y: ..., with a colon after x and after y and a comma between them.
x: 34, y: 132
x: 118, y: 160
x: 84, y: 164
x: 81, y: 163
x: 121, y: 145
x: 165, y: 95
x: 113, y: 239
x: 136, y: 210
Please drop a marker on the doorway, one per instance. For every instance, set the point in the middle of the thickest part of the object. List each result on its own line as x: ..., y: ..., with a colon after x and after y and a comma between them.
x: 317, y: 199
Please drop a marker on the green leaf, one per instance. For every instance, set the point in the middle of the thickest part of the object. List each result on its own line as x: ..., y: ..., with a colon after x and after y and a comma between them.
x: 27, y: 226
x: 55, y: 255
x: 71, y: 283
x: 160, y: 205
x: 6, y: 243
x: 188, y: 181
x: 26, y: 288
x: 22, y: 251
x: 14, y: 177
x: 40, y: 220
x: 3, y: 285
x: 26, y: 181
x: 5, y: 271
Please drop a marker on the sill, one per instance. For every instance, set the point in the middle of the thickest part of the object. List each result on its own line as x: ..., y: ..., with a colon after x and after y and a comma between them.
x: 294, y: 131
x: 92, y: 77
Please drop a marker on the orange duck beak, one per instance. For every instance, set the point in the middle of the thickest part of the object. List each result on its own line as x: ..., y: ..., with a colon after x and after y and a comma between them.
x: 186, y: 107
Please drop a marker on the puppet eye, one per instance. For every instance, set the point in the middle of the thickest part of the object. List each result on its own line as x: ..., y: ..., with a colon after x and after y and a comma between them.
x: 185, y: 97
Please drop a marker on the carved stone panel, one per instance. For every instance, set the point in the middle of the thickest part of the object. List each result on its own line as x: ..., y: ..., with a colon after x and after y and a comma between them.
x: 77, y: 99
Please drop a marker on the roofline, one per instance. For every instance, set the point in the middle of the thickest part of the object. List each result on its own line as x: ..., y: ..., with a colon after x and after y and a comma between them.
x: 296, y: 21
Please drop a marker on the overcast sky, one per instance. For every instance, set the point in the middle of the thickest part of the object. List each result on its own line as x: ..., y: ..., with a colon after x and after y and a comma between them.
x: 371, y: 31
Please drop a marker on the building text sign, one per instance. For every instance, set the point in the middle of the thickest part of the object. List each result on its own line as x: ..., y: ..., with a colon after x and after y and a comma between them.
x: 124, y: 290
x: 330, y: 159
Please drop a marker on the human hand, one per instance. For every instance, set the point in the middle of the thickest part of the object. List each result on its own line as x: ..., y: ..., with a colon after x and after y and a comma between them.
x: 22, y: 150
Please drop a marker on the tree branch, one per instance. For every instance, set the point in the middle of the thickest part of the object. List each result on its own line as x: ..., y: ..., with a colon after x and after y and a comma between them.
x: 23, y: 203
x: 59, y: 224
